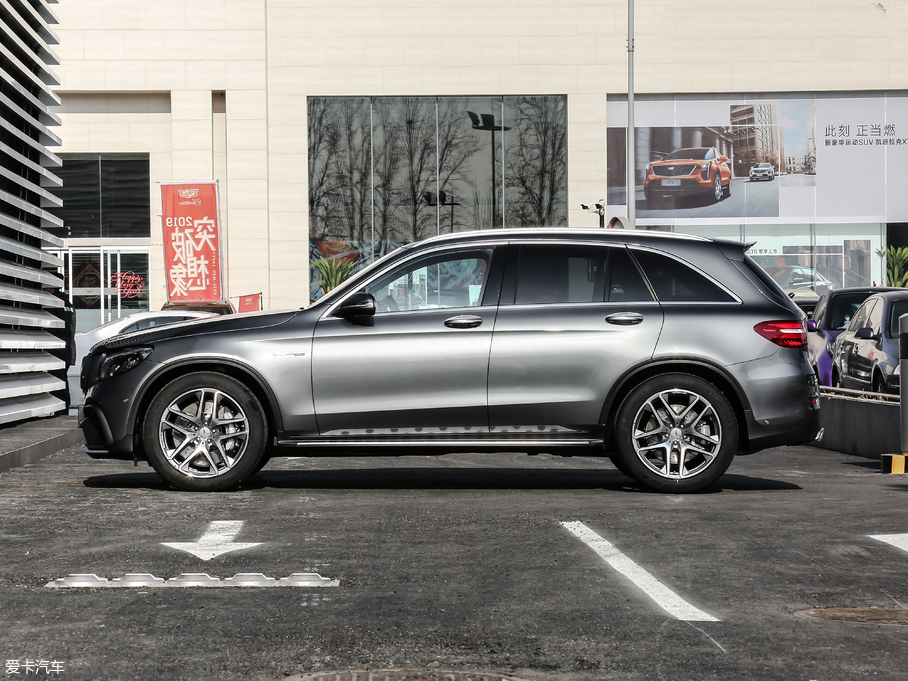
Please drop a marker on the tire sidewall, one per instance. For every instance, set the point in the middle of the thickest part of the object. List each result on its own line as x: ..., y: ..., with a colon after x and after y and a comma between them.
x: 255, y: 445
x: 624, y: 424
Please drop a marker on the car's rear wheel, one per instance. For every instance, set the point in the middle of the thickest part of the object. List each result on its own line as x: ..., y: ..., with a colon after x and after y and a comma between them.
x: 676, y: 433
x: 205, y: 432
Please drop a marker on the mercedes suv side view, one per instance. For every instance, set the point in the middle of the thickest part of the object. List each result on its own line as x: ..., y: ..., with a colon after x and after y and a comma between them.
x: 667, y: 353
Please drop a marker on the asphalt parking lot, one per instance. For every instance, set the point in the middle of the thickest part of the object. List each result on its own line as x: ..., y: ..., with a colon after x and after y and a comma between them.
x: 521, y: 567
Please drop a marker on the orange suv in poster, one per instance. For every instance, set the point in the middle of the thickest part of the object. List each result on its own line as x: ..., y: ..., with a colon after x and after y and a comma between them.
x: 695, y: 170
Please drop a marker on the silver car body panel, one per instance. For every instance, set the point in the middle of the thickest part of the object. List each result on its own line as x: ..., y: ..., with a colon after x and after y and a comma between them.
x: 552, y: 366
x: 534, y: 373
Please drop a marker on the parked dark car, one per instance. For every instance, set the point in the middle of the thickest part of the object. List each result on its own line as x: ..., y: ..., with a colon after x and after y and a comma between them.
x: 831, y: 317
x: 669, y: 353
x: 866, y: 354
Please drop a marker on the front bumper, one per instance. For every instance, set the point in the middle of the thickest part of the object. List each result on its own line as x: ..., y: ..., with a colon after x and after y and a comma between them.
x: 657, y: 186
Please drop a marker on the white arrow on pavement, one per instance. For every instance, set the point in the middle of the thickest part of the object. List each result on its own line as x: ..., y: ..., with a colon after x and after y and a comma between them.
x: 900, y: 541
x: 218, y: 539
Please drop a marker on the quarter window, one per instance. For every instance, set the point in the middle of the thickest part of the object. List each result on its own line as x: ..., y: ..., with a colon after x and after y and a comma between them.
x: 440, y: 281
x: 674, y: 281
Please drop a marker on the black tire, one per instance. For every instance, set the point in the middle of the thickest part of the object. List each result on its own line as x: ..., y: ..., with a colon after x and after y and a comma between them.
x: 879, y: 385
x: 717, y: 188
x: 680, y: 418
x: 205, y: 432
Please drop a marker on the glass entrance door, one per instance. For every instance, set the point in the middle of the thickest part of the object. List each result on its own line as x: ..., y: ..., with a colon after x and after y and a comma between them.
x: 105, y: 283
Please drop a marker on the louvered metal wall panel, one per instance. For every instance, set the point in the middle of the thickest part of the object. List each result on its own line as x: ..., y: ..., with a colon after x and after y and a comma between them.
x: 31, y: 341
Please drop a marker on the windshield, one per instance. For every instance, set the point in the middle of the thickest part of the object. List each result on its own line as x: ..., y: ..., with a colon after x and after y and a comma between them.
x: 688, y: 153
x: 353, y: 281
x: 763, y: 165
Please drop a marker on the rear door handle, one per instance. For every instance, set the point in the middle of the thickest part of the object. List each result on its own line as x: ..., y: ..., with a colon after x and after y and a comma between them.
x: 625, y: 318
x: 463, y: 321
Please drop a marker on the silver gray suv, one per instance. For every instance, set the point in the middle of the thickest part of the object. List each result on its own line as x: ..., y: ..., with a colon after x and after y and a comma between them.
x: 667, y: 353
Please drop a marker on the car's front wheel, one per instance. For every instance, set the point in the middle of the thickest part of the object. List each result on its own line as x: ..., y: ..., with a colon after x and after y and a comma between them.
x: 205, y: 432
x: 676, y: 433
x: 717, y: 187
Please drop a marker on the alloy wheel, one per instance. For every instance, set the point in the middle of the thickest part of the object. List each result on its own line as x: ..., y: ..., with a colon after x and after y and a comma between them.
x: 677, y: 434
x: 203, y: 433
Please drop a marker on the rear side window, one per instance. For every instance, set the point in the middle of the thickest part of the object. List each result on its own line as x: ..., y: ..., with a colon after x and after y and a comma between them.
x: 673, y: 281
x: 560, y: 274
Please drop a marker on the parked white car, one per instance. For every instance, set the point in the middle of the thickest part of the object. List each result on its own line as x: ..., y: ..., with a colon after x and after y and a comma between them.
x: 133, y: 322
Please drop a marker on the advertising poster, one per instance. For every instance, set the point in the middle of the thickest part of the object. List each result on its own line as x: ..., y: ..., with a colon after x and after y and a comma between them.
x: 192, y: 241
x: 813, y: 180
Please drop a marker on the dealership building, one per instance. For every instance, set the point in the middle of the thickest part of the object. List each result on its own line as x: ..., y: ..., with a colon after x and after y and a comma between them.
x: 341, y: 129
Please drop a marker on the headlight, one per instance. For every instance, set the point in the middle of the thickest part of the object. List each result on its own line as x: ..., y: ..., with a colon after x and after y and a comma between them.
x: 120, y: 362
x: 646, y: 168
x: 704, y: 165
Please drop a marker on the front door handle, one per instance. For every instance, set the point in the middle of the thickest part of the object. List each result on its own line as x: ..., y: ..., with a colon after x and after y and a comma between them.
x: 625, y: 318
x: 463, y: 321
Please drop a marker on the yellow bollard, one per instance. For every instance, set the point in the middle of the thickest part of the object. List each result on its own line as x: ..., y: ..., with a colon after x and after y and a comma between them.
x: 893, y: 463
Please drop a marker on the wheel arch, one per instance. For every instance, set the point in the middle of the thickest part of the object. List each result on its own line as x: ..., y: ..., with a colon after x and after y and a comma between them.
x: 246, y: 375
x: 700, y: 368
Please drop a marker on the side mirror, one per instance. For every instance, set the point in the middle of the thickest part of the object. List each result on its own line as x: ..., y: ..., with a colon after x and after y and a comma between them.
x: 357, y: 309
x: 723, y: 159
x: 865, y: 333
x: 812, y: 326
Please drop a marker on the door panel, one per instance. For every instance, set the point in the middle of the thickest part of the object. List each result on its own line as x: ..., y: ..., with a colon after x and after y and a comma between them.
x: 552, y: 366
x: 579, y: 318
x: 421, y: 367
x: 409, y: 374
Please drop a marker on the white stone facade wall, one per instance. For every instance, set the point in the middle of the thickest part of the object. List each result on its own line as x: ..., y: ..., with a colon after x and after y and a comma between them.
x: 268, y: 55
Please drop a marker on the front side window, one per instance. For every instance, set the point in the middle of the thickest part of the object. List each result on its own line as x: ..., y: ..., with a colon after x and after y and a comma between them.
x: 860, y: 319
x: 446, y: 280
x: 899, y: 307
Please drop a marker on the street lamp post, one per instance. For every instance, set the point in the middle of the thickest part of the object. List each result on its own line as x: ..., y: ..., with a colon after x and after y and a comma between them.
x: 486, y: 122
x: 631, y: 169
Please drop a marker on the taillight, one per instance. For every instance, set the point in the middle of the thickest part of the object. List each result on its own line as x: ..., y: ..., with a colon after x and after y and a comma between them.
x: 786, y: 334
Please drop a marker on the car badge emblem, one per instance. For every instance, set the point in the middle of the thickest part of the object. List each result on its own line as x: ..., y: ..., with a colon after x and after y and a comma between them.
x: 188, y: 193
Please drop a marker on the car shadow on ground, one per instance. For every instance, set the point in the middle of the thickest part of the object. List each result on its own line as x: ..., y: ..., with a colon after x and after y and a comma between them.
x: 444, y: 478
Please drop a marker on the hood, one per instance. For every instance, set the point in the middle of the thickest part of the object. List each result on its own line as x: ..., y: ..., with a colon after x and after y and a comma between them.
x: 197, y: 327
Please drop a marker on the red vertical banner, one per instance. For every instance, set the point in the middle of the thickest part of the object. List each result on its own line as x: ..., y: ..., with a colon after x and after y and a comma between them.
x: 192, y: 241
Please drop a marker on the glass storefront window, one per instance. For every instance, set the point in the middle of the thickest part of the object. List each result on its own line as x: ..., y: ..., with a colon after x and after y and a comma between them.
x: 390, y: 170
x: 104, y: 196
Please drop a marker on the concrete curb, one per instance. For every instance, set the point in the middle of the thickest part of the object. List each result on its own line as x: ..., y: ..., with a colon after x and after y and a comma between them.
x: 38, y: 450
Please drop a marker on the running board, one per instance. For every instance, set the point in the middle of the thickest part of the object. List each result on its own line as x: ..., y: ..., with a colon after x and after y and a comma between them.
x: 441, y: 443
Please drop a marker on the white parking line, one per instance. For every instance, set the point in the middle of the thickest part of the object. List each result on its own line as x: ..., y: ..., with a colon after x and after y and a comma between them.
x: 664, y: 597
x: 899, y: 541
